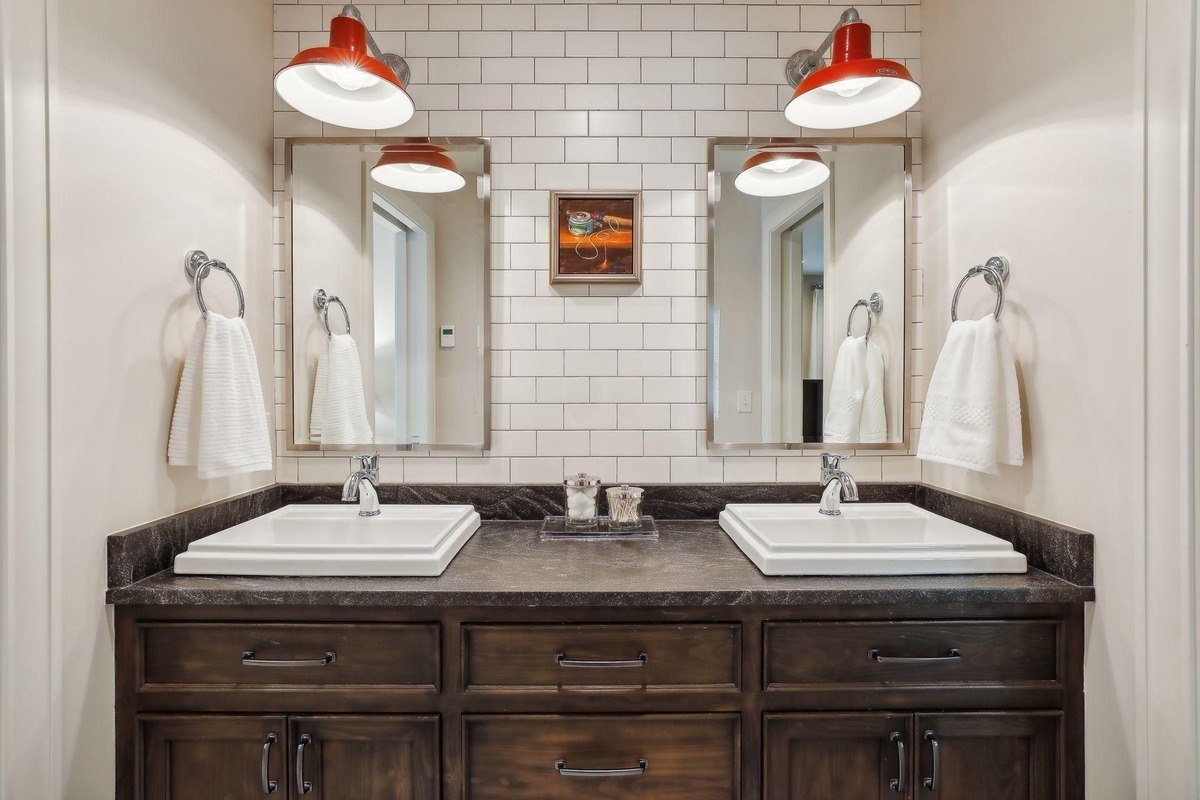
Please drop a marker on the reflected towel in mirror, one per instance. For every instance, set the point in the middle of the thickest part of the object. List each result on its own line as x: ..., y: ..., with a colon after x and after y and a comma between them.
x: 339, y: 408
x: 220, y: 422
x: 972, y: 413
x: 856, y: 411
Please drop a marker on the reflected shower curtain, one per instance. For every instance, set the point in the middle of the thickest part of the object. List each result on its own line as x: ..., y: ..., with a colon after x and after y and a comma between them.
x: 816, y: 343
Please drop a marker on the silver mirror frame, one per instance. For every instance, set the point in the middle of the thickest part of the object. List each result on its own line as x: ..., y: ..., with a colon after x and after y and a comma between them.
x: 751, y: 143
x: 290, y: 447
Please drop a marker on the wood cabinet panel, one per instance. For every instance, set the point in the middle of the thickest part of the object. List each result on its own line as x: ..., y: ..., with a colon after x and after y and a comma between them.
x: 684, y: 757
x: 366, y: 757
x: 210, y: 654
x: 895, y: 653
x: 837, y: 756
x: 213, y: 758
x: 556, y: 656
x: 989, y: 756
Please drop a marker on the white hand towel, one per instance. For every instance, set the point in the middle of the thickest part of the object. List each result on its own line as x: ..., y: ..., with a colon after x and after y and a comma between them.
x: 872, y: 424
x: 972, y: 413
x: 339, y: 408
x: 220, y: 423
x: 856, y: 411
x: 846, y: 391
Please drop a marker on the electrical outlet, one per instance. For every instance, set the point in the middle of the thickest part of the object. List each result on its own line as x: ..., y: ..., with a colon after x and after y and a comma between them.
x: 745, y: 402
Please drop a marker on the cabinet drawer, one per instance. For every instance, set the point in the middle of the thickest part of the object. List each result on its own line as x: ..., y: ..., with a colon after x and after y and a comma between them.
x: 684, y: 757
x: 258, y: 654
x: 555, y: 656
x: 800, y: 654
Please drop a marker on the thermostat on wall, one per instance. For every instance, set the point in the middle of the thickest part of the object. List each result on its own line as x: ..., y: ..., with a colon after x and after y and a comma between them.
x: 447, y: 332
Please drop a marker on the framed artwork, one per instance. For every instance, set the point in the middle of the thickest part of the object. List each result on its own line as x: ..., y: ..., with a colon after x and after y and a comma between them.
x: 596, y: 237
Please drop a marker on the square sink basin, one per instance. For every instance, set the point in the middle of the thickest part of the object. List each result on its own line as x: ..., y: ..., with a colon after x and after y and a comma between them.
x: 333, y: 540
x: 867, y: 539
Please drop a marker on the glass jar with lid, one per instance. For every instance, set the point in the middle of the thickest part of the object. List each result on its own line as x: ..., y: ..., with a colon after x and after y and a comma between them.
x: 624, y: 507
x: 582, y: 493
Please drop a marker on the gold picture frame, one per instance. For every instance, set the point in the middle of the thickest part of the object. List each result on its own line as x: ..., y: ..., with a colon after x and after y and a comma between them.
x: 596, y: 237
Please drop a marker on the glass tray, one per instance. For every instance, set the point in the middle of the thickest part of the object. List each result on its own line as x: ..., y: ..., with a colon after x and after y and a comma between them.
x: 556, y: 528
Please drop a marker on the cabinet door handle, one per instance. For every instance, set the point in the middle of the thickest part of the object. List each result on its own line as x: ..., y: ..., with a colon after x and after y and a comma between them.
x: 562, y: 660
x: 268, y: 786
x: 898, y: 781
x: 564, y: 770
x: 951, y: 655
x: 931, y: 782
x: 249, y: 660
x: 302, y: 786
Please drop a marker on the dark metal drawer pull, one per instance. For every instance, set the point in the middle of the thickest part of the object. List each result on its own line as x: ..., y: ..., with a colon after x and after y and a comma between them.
x: 302, y: 786
x: 640, y: 769
x: 898, y: 781
x: 268, y: 786
x: 951, y: 655
x: 562, y: 660
x: 249, y: 660
x: 931, y: 782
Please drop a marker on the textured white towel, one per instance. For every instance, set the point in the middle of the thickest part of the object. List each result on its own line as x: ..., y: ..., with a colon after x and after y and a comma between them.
x: 972, y: 413
x: 220, y: 423
x: 339, y: 409
x: 872, y: 424
x: 856, y: 412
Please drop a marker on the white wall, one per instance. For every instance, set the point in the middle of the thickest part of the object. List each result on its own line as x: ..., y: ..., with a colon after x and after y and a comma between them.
x: 1029, y: 155
x: 867, y: 256
x: 598, y: 96
x: 159, y: 141
x: 329, y: 254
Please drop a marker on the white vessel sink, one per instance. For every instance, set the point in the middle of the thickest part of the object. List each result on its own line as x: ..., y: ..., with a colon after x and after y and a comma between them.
x: 334, y: 540
x: 867, y: 539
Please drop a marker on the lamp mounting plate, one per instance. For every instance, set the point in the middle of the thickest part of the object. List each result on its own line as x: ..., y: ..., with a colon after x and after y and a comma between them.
x: 801, y: 65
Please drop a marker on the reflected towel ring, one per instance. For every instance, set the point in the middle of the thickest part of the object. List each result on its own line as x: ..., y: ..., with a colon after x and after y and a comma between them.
x: 873, y: 306
x: 199, y: 266
x: 995, y: 273
x: 323, y: 301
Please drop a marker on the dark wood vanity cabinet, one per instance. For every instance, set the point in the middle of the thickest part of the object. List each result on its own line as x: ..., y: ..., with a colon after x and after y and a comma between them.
x: 1009, y: 755
x: 917, y: 702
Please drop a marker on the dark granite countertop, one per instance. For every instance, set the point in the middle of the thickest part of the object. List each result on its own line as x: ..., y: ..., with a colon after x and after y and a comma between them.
x: 693, y: 563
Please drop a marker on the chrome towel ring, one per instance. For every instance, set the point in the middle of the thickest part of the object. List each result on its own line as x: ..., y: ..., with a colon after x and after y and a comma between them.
x: 322, y: 302
x: 995, y: 272
x: 874, y: 305
x: 199, y: 266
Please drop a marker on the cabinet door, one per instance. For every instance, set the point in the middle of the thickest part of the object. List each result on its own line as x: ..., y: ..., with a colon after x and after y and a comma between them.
x: 365, y: 758
x: 1000, y: 756
x: 837, y: 756
x: 214, y: 758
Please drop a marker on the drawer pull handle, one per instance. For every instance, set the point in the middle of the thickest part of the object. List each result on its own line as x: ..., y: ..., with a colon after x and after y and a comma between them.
x: 951, y: 655
x: 249, y: 660
x: 268, y: 786
x: 898, y: 781
x: 562, y: 660
x: 931, y: 782
x: 302, y: 786
x: 629, y: 772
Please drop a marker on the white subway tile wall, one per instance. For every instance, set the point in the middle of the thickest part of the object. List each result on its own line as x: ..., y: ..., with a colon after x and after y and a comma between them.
x: 598, y: 96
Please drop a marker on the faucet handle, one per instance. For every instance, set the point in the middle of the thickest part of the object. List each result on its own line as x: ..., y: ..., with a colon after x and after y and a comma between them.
x: 832, y: 461
x: 368, y: 462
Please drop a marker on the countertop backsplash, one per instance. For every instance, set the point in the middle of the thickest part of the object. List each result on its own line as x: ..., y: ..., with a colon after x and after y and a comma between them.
x: 606, y: 380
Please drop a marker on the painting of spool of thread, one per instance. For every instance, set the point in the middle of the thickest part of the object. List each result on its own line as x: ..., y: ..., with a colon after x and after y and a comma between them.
x: 596, y: 237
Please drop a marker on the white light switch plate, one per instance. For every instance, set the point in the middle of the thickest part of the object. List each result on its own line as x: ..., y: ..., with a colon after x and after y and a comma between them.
x: 745, y: 402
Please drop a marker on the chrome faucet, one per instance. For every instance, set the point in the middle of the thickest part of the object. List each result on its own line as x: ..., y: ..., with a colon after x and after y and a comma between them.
x: 839, y: 485
x: 362, y: 485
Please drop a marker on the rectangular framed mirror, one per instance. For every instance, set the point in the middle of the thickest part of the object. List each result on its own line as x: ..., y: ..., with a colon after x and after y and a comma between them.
x: 809, y: 242
x: 387, y: 309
